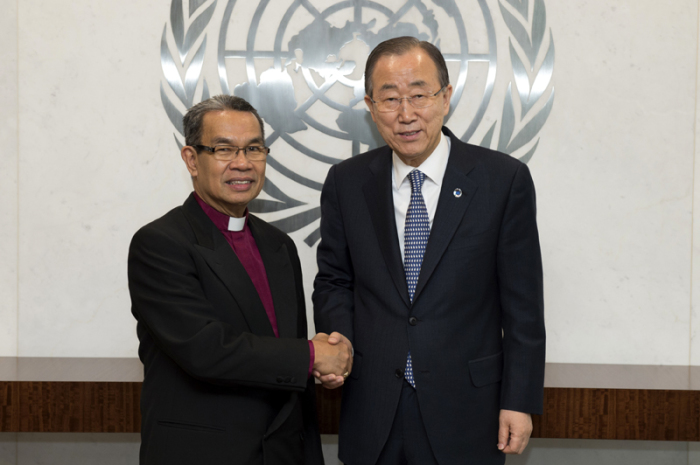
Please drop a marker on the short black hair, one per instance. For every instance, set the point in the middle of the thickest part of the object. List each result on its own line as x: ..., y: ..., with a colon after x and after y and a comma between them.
x: 401, y: 46
x: 192, y: 121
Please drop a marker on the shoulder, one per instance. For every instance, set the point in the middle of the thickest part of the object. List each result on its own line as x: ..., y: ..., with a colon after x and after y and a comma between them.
x: 363, y: 162
x: 173, y: 226
x: 482, y: 156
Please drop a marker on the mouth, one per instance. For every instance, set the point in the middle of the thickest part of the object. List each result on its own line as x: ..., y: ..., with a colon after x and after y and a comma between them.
x: 409, y: 135
x: 239, y: 184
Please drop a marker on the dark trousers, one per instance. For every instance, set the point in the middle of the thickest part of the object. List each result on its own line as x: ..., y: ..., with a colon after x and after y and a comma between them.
x: 408, y: 442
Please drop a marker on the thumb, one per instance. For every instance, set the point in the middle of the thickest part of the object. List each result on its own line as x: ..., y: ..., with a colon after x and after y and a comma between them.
x: 503, y: 434
x: 334, y: 338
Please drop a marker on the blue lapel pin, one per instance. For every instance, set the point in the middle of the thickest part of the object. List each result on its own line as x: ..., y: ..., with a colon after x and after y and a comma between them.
x: 458, y: 192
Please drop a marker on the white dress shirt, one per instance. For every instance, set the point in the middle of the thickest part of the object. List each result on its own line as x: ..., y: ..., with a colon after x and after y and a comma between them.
x: 434, y: 169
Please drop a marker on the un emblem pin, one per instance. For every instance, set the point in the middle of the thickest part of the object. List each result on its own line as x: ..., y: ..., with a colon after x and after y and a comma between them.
x: 301, y: 64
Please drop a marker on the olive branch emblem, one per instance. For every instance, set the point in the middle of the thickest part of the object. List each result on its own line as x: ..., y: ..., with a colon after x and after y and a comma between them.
x: 531, y: 81
x: 519, y: 117
x: 183, y: 72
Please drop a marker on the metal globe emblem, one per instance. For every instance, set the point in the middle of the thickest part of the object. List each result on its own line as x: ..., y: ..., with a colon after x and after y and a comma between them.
x: 301, y: 64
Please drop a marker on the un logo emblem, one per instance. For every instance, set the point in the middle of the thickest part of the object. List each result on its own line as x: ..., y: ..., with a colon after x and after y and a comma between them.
x: 301, y: 64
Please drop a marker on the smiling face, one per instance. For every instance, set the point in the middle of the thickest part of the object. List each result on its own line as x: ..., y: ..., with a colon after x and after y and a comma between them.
x: 412, y: 133
x: 227, y: 186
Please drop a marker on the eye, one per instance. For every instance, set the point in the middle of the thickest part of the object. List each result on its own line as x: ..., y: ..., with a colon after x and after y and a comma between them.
x: 254, y: 149
x: 391, y: 99
x: 418, y: 97
x: 223, y: 149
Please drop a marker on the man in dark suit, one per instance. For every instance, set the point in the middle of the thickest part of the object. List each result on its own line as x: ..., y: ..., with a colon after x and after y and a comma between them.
x: 221, y: 317
x: 429, y: 266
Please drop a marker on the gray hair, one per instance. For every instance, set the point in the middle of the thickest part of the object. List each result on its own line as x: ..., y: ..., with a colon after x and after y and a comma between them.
x: 401, y: 46
x: 192, y: 121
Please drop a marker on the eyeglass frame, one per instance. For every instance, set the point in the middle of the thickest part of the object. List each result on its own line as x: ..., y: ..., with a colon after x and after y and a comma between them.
x: 212, y: 150
x: 409, y: 100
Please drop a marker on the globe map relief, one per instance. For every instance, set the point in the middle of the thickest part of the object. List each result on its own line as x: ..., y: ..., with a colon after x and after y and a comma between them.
x: 312, y: 46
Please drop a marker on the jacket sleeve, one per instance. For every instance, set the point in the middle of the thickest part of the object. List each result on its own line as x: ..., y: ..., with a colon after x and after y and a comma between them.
x: 170, y: 304
x: 519, y: 266
x: 333, y: 296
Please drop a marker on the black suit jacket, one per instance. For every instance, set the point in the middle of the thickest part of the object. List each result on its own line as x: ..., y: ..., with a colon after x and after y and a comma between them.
x: 219, y: 387
x: 476, y: 326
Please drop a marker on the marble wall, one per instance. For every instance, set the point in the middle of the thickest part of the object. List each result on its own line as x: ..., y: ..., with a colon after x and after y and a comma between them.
x: 8, y: 171
x: 88, y: 156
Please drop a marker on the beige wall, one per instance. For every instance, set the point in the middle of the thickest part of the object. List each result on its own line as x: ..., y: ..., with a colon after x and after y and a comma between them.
x: 89, y: 156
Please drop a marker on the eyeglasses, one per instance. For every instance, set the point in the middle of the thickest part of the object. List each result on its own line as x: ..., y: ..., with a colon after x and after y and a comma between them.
x: 230, y: 152
x: 417, y: 101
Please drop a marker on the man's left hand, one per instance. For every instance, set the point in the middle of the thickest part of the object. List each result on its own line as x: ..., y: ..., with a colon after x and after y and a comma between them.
x: 514, y: 431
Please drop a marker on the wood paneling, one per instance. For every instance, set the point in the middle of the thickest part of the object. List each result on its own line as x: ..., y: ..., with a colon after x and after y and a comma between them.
x: 568, y: 412
x: 76, y: 407
x: 9, y: 406
x: 619, y: 414
x: 328, y: 409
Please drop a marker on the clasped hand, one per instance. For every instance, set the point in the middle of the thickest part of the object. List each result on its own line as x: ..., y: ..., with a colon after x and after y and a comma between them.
x: 333, y: 359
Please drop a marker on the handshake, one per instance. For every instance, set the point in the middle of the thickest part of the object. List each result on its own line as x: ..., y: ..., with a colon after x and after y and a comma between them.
x: 333, y: 359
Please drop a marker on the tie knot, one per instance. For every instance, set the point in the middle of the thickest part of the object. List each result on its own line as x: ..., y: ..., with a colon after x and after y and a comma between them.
x: 417, y: 177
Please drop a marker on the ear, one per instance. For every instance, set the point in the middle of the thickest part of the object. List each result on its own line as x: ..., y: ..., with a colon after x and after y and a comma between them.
x: 370, y: 106
x: 447, y: 95
x: 189, y: 156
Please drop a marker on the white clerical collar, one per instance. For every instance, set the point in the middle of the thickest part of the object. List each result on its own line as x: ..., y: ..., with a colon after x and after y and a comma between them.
x: 433, y: 167
x: 236, y: 224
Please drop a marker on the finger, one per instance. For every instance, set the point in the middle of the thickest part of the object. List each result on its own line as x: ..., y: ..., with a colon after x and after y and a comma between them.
x: 335, y: 337
x: 334, y: 384
x: 524, y: 445
x: 503, y: 432
x: 328, y: 378
x: 514, y: 445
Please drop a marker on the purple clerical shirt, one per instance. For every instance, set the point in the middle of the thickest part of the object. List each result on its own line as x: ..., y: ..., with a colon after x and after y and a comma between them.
x: 243, y: 244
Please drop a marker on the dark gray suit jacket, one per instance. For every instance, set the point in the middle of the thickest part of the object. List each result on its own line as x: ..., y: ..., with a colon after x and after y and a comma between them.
x: 476, y: 326
x: 219, y: 386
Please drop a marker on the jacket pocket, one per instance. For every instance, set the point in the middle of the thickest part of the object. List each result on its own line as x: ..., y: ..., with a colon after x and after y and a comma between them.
x: 486, y: 370
x: 191, y: 426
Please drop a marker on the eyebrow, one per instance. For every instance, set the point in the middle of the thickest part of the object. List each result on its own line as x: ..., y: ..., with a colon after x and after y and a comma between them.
x: 419, y: 83
x: 227, y: 141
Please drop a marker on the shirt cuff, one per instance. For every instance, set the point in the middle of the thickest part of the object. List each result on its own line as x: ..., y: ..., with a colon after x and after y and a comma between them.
x: 312, y: 357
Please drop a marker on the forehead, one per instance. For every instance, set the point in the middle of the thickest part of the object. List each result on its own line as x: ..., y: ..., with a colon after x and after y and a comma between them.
x: 412, y: 69
x: 228, y: 124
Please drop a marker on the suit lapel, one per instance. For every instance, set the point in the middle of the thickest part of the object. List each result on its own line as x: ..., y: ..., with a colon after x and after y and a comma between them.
x: 222, y: 260
x: 280, y: 276
x: 450, y: 209
x: 380, y: 203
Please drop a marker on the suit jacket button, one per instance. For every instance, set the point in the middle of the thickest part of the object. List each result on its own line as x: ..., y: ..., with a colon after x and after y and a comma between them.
x: 288, y: 379
x: 280, y: 379
x: 292, y: 379
x: 399, y: 373
x: 413, y: 321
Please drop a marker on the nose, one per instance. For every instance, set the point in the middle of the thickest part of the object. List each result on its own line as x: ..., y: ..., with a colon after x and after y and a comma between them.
x: 406, y: 112
x: 239, y: 162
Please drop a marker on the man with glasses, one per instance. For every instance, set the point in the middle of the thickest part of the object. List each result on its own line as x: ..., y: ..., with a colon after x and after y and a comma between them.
x: 430, y: 268
x: 219, y: 301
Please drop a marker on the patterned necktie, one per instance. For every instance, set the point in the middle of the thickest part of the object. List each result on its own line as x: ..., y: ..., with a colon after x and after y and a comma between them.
x: 416, y: 232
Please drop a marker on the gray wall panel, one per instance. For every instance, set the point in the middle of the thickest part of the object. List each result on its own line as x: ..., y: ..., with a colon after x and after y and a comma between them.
x: 8, y: 448
x: 73, y: 449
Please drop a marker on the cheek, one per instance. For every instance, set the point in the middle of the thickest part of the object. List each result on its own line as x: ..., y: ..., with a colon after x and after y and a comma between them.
x: 261, y: 177
x: 384, y: 124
